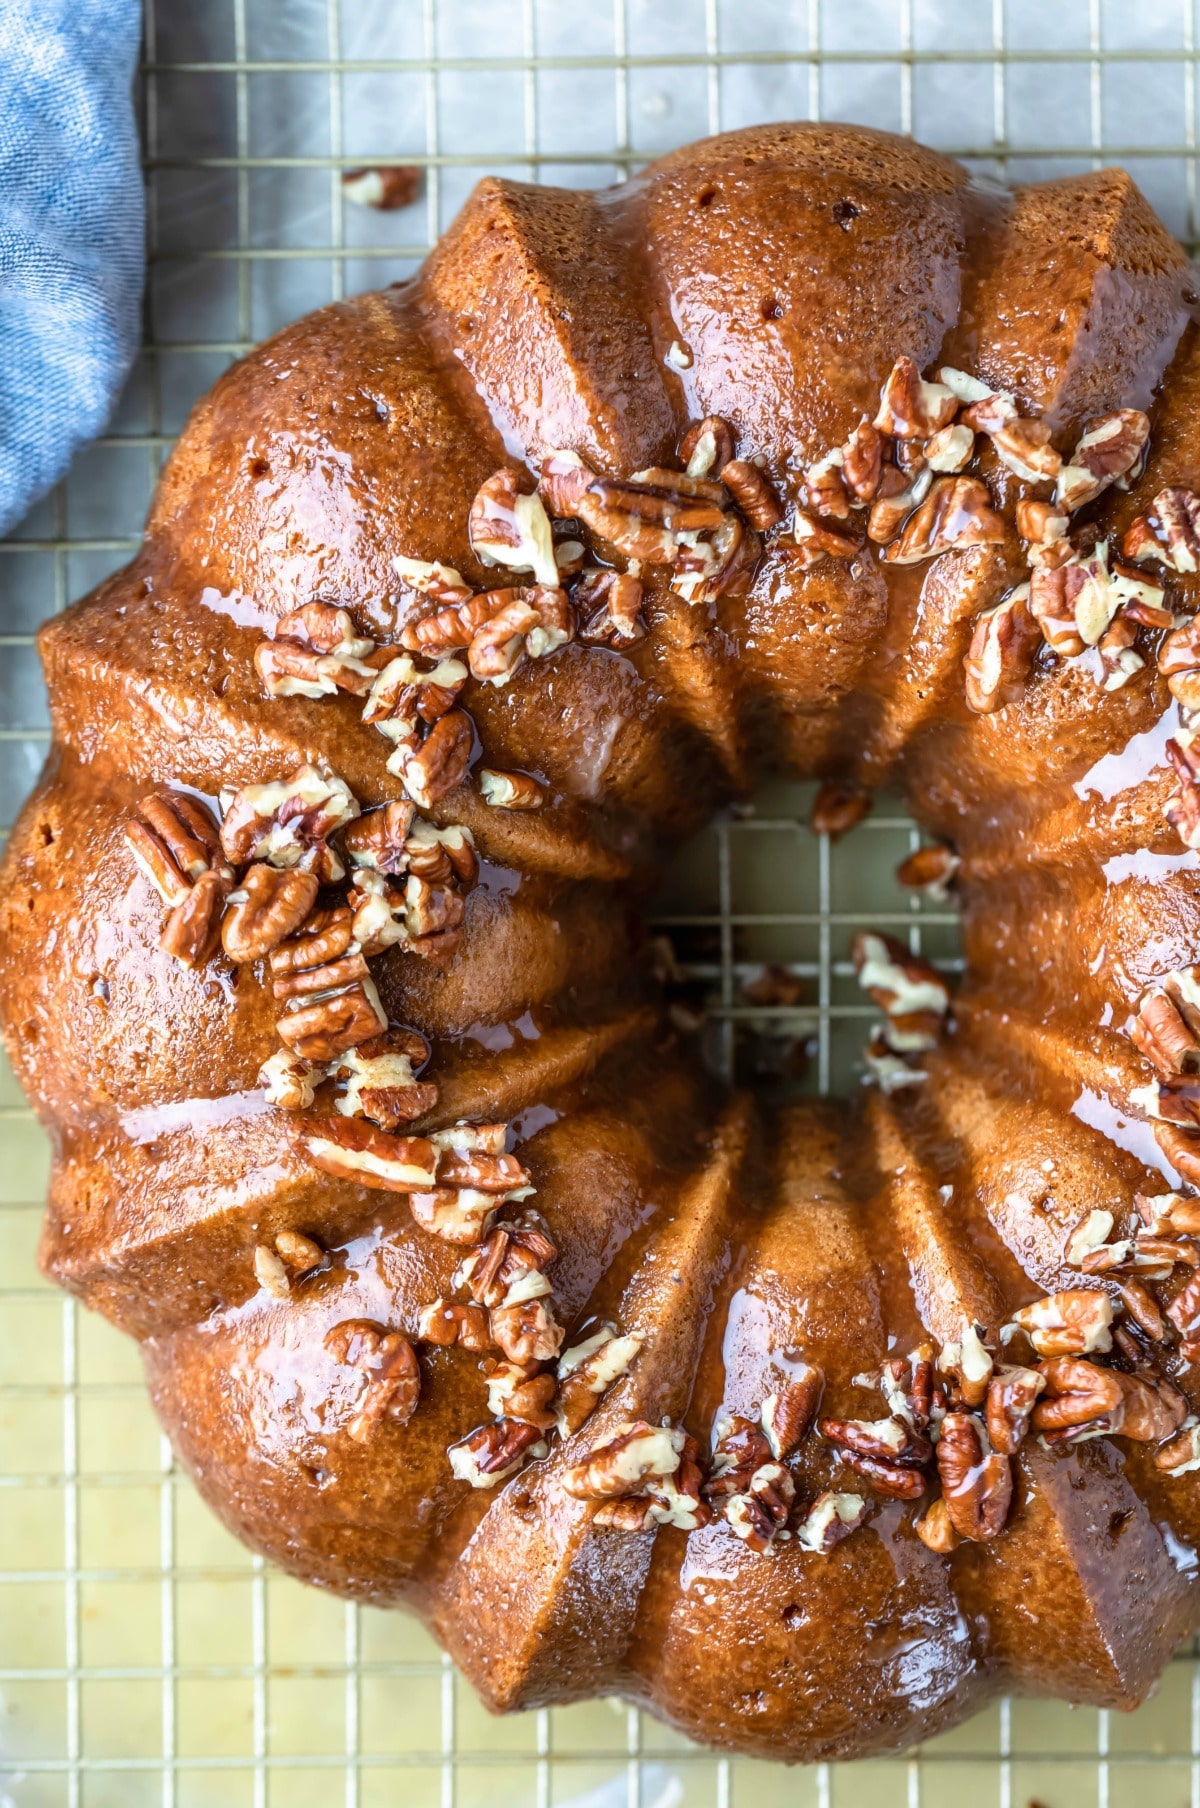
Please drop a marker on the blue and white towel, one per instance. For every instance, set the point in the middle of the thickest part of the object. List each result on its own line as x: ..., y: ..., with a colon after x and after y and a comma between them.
x: 71, y: 232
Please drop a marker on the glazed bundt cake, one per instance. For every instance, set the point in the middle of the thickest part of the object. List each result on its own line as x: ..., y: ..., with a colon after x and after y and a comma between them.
x: 460, y: 1285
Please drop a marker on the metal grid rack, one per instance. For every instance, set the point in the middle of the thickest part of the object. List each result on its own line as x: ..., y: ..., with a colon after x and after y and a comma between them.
x: 144, y: 1657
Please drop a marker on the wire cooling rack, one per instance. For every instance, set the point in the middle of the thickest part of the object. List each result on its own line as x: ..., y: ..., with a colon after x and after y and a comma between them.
x: 144, y: 1656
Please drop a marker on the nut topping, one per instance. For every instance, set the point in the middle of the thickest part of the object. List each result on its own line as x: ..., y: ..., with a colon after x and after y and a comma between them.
x: 510, y: 790
x: 620, y: 1467
x: 587, y: 1370
x: 335, y: 1022
x: 936, y: 1530
x: 707, y: 447
x: 998, y: 660
x: 1169, y: 531
x: 527, y: 1331
x: 976, y: 1482
x: 902, y: 984
x: 1179, y: 662
x: 910, y: 408
x: 862, y: 465
x: 931, y: 870
x: 270, y: 1273
x: 831, y: 1518
x: 1079, y: 1394
x: 1072, y: 1323
x: 455, y: 1214
x: 1164, y: 1035
x: 434, y: 768
x: 788, y: 1414
x: 380, y: 1083
x: 956, y: 513
x: 390, y: 1364
x: 443, y: 1323
x: 279, y: 822
x: 753, y: 494
x: 495, y: 1452
x: 269, y: 905
x: 289, y: 1082
x: 510, y: 527
x: 1110, y: 450
x: 823, y: 492
x: 441, y: 582
x: 175, y: 843
x: 193, y: 929
x: 351, y: 1150
x: 403, y: 697
x: 609, y: 603
x: 761, y: 1510
x: 519, y: 1391
x: 1182, y: 1455
x: 315, y: 653
x: 949, y: 450
x: 837, y: 808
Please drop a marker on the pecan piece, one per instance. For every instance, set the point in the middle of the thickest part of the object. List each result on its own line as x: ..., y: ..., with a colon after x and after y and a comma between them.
x: 752, y: 492
x: 1161, y: 1032
x: 527, y: 1331
x: 636, y: 1454
x: 403, y: 696
x: 609, y: 604
x: 441, y: 582
x: 378, y: 839
x: 739, y: 1448
x: 509, y: 1265
x: 1169, y: 531
x: 1012, y: 1395
x: 174, y: 843
x: 823, y: 491
x: 390, y: 1364
x: 1111, y: 449
x: 278, y: 822
x: 936, y: 1530
x: 1184, y: 1311
x: 885, y: 1478
x: 838, y: 807
x: 192, y: 930
x: 896, y: 498
x: 520, y: 1391
x: 901, y: 983
x: 976, y: 1483
x: 931, y: 870
x: 950, y: 449
x: 788, y: 1413
x: 1182, y: 808
x: 1000, y: 656
x: 288, y: 1081
x: 268, y: 906
x: 957, y: 512
x: 385, y: 186
x: 315, y: 652
x: 270, y: 1273
x: 1078, y: 1393
x: 1152, y: 1410
x: 831, y: 1518
x: 319, y: 1031
x: 508, y: 525
x: 1182, y: 1454
x: 379, y: 1080
x: 587, y: 1370
x: 910, y: 408
x: 756, y: 1514
x: 435, y: 767
x: 510, y: 790
x: 1179, y: 662
x: 444, y: 1324
x: 969, y: 1364
x: 355, y: 1151
x: 1168, y: 1213
x: 814, y: 539
x: 1142, y: 1308
x: 495, y: 1452
x: 707, y: 447
x: 1074, y: 1322
x: 891, y: 1440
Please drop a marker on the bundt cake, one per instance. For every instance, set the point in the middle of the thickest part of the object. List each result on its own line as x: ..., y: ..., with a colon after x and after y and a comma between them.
x: 460, y: 1285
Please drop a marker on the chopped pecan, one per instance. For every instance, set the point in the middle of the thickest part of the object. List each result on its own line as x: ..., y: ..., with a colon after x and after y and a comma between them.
x: 1154, y: 1410
x: 724, y: 565
x: 519, y: 1391
x: 895, y: 500
x: 508, y: 525
x: 534, y: 621
x: 527, y: 1331
x: 1074, y: 603
x: 1111, y: 449
x: 1118, y: 661
x: 433, y: 917
x: 570, y: 555
x: 862, y: 461
x: 439, y: 854
x: 495, y: 1452
x: 814, y: 539
x: 270, y: 1273
x: 761, y: 1510
x: 339, y: 973
x: 957, y: 512
x: 278, y: 822
x: 324, y: 936
x: 1168, y: 1213
x: 390, y: 1364
x: 998, y: 661
x: 510, y: 790
x: 969, y: 1364
x: 891, y: 1440
x: 455, y: 1214
x: 1143, y: 1309
x: 1044, y: 530
x: 1179, y: 662
x: 936, y: 1530
x: 623, y: 1464
x: 1182, y: 808
x: 608, y: 603
x: 642, y: 519
x: 976, y: 1483
x: 174, y: 843
x: 356, y: 1151
x: 1074, y: 1322
x: 901, y: 983
x: 1166, y: 1030
x: 838, y: 807
x: 488, y: 1139
x: 707, y: 447
x: 822, y: 491
x: 910, y: 408
x: 752, y: 492
x: 192, y: 930
x: 289, y: 1082
x: 450, y: 630
x: 930, y: 869
x: 587, y: 1370
x: 509, y: 1265
x: 886, y: 1478
x: 1169, y: 531
x: 788, y: 1413
x: 1078, y: 1393
x: 1091, y: 1232
x: 831, y: 1518
x: 739, y: 1448
x: 403, y: 696
x: 380, y: 1083
x: 434, y: 768
x: 441, y: 582
x: 443, y: 1323
x: 950, y: 449
x: 378, y: 838
x: 1023, y: 445
x: 890, y: 1071
x: 490, y: 1173
x: 315, y: 653
x: 384, y: 186
x: 301, y: 1254
x: 269, y: 905
x: 1184, y: 1310
x: 1182, y: 1454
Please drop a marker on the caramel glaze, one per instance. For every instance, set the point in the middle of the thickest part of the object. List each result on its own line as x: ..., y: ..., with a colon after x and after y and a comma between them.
x: 796, y: 263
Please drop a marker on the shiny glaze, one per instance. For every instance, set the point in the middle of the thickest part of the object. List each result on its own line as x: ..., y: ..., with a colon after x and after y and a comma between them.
x: 795, y: 262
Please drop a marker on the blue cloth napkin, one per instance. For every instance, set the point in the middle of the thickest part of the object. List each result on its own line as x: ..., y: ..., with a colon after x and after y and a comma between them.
x: 71, y: 232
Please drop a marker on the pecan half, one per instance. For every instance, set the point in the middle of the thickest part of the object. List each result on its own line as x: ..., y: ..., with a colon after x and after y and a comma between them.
x: 587, y: 1370
x: 936, y: 1530
x: 707, y: 447
x: 1074, y: 1322
x: 1012, y: 1395
x: 527, y: 1331
x: 192, y: 930
x: 788, y: 1413
x: 356, y: 1151
x: 1143, y: 1309
x: 269, y: 905
x: 838, y: 807
x: 495, y: 1452
x: 520, y: 1391
x: 957, y: 512
x: 931, y: 870
x: 1168, y: 1213
x: 998, y: 661
x: 891, y: 1440
x: 1153, y: 1410
x: 622, y: 1465
x: 1162, y: 1033
x: 432, y: 769
x: 831, y: 1518
x: 333, y: 1023
x: 278, y: 822
x: 1078, y: 1393
x: 390, y: 1364
x: 441, y: 582
x: 1111, y: 448
x: 1182, y: 808
x: 752, y: 492
x: 444, y: 1324
x: 1184, y: 1310
x: 910, y: 408
x: 508, y: 525
x: 609, y: 604
x: 1169, y: 531
x: 174, y: 843
x: 862, y: 461
x: 823, y: 492
x: 976, y: 1483
x: 510, y: 790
